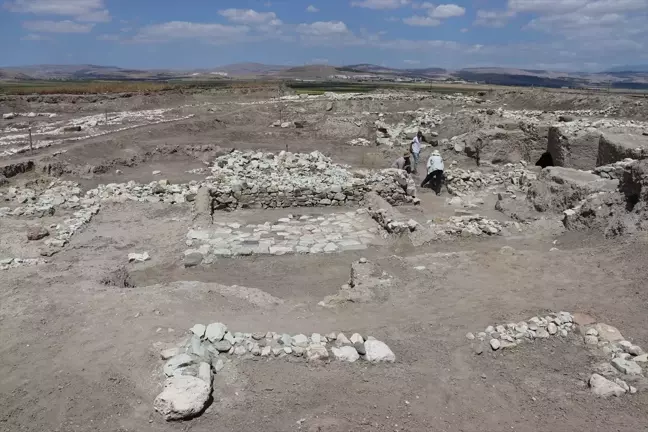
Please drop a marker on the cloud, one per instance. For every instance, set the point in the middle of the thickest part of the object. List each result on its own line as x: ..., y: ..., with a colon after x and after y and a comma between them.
x: 412, y: 62
x: 177, y: 30
x: 464, y: 30
x: 81, y: 10
x: 312, y: 8
x: 323, y: 28
x: 421, y: 21
x: 249, y: 16
x: 35, y: 37
x: 380, y: 4
x: 424, y: 5
x: 66, y: 26
x: 493, y: 18
x: 446, y: 11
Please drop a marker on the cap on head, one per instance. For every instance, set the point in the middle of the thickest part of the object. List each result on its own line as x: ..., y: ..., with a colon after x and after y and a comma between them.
x: 436, y: 153
x: 406, y: 154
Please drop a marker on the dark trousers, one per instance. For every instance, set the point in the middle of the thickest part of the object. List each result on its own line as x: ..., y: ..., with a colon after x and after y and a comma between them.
x: 434, y: 178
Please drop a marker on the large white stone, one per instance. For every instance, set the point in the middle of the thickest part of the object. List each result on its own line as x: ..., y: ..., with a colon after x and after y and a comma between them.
x: 215, y: 332
x: 346, y: 353
x: 183, y: 397
x: 603, y: 387
x: 377, y: 352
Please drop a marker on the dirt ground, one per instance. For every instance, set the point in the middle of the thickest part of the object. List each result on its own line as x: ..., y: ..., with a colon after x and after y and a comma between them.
x: 77, y: 355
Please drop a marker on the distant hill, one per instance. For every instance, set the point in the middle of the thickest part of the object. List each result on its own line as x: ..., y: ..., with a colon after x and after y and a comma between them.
x: 629, y: 68
x: 618, y: 77
x: 243, y: 69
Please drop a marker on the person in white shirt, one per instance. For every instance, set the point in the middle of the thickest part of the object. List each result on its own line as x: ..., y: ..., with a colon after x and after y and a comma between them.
x: 415, y: 149
x: 435, y: 170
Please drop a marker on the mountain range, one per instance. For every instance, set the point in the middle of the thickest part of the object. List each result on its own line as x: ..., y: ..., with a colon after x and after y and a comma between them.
x: 618, y: 77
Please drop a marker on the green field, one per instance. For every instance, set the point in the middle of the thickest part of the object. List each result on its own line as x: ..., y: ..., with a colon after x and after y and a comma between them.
x: 298, y: 87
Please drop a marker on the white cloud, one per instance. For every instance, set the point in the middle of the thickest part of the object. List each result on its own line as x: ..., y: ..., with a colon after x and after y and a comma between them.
x: 380, y: 4
x: 421, y: 21
x: 81, y: 10
x: 412, y: 62
x: 464, y: 30
x: 446, y: 11
x: 66, y: 26
x: 323, y: 28
x: 312, y: 8
x: 175, y: 30
x: 249, y: 16
x: 543, y: 6
x: 493, y: 18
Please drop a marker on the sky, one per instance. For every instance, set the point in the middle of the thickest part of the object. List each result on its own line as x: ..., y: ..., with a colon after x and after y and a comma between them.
x: 586, y: 35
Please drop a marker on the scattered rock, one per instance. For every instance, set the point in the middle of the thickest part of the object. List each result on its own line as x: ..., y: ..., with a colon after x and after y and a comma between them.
x: 193, y: 259
x: 377, y: 351
x: 608, y: 333
x: 138, y: 257
x: 346, y: 353
x: 37, y: 233
x: 356, y: 338
x: 177, y: 362
x: 627, y: 367
x: 342, y: 340
x: 183, y: 397
x: 198, y: 330
x: 316, y: 352
x: 495, y: 344
x: 215, y: 332
x: 300, y: 340
x: 603, y: 387
x: 360, y: 347
x: 223, y: 346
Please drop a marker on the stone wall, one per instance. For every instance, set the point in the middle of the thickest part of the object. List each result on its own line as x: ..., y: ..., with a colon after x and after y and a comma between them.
x: 573, y: 148
x: 616, y: 147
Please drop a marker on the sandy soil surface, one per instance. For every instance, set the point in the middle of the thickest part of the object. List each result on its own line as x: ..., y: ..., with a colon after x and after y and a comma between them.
x: 77, y: 355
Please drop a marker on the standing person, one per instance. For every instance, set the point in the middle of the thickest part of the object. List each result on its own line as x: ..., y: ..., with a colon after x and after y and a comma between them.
x: 435, y: 169
x: 403, y: 163
x: 415, y: 149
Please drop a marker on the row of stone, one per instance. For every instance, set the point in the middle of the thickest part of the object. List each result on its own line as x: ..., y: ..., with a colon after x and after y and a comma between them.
x: 624, y: 358
x: 512, y: 334
x: 188, y: 368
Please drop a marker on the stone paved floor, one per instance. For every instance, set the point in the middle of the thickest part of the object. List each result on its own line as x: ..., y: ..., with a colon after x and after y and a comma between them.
x: 352, y: 230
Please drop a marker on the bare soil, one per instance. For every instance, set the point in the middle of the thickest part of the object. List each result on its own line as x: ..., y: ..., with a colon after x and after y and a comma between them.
x: 79, y: 354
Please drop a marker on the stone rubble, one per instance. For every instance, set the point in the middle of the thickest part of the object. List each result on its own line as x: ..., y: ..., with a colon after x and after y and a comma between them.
x: 305, y: 234
x: 266, y: 180
x: 472, y: 225
x: 515, y: 177
x: 189, y: 368
x: 359, y: 142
